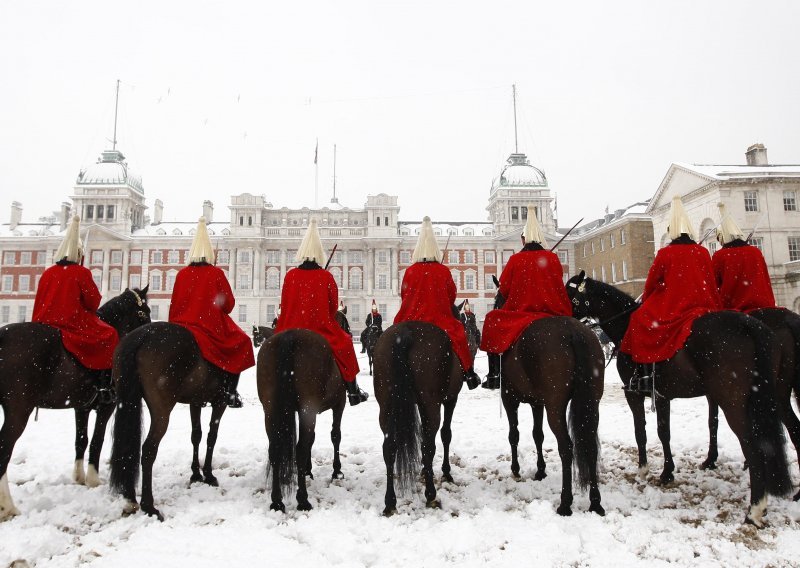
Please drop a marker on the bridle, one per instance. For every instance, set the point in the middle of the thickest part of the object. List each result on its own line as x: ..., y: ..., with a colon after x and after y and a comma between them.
x: 580, y: 289
x: 139, y: 302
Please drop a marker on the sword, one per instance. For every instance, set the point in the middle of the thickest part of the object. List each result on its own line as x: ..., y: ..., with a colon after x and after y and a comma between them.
x: 750, y: 236
x: 566, y: 234
x: 330, y: 258
x: 446, y: 244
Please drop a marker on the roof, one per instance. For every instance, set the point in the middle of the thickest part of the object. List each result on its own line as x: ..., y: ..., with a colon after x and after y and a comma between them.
x: 519, y: 172
x: 732, y: 172
x: 460, y: 228
x: 110, y: 169
x: 631, y: 211
x: 180, y: 228
x: 30, y: 230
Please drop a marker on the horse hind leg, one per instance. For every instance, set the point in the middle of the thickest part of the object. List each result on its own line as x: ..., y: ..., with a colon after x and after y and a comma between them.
x: 159, y: 421
x: 664, y: 435
x: 538, y: 439
x: 636, y: 404
x: 336, y: 440
x: 512, y: 412
x: 430, y: 425
x: 13, y: 425
x: 558, y: 424
x: 102, y: 416
x: 81, y: 441
x: 447, y: 437
x: 713, y: 426
x: 197, y: 435
x: 211, y: 441
x: 305, y: 441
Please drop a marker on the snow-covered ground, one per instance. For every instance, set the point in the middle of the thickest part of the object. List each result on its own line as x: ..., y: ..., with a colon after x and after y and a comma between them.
x: 486, y: 516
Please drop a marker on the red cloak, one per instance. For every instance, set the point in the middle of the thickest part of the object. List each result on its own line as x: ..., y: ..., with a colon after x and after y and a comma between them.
x: 427, y: 294
x: 742, y: 278
x: 680, y: 287
x: 309, y: 300
x: 67, y: 298
x: 533, y: 286
x: 201, y: 302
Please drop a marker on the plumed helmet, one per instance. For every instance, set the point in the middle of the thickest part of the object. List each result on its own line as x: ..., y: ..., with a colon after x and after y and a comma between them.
x: 679, y: 222
x: 533, y: 231
x: 201, y: 250
x: 374, y: 306
x: 311, y: 247
x: 467, y: 307
x: 728, y: 231
x: 427, y: 248
x: 71, y: 248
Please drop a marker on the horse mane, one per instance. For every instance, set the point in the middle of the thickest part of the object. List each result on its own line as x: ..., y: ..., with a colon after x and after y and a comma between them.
x: 610, y: 294
x: 114, y: 310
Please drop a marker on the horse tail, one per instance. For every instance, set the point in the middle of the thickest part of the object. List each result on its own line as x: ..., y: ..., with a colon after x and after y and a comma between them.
x: 766, y: 431
x: 584, y: 413
x: 126, y: 448
x: 793, y: 323
x: 404, y: 426
x: 282, y: 426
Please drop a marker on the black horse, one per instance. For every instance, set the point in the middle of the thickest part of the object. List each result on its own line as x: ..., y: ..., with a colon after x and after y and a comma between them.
x: 730, y: 358
x: 297, y: 376
x: 162, y: 363
x: 37, y: 372
x: 370, y: 336
x: 261, y: 333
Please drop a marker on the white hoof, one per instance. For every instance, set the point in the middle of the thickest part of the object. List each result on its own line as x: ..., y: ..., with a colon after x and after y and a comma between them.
x: 92, y: 479
x: 130, y: 508
x: 7, y: 508
x: 644, y: 471
x: 756, y: 513
x: 77, y: 473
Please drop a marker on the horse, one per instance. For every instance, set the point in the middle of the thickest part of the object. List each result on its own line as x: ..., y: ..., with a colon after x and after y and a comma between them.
x: 730, y: 358
x: 471, y: 328
x: 786, y: 327
x: 531, y: 374
x: 371, y: 336
x: 415, y: 368
x: 37, y: 372
x: 297, y: 375
x: 162, y: 364
x: 261, y: 333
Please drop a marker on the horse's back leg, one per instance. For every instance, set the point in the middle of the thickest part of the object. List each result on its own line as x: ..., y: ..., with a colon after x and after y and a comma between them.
x: 664, y: 435
x: 792, y: 425
x: 431, y: 416
x: 197, y: 435
x: 159, y: 421
x: 557, y: 419
x: 101, y: 418
x: 636, y: 404
x: 538, y: 439
x: 389, y: 456
x: 336, y: 440
x: 211, y: 440
x: 713, y: 425
x: 512, y: 412
x: 14, y: 423
x: 447, y: 437
x: 81, y: 441
x: 305, y: 440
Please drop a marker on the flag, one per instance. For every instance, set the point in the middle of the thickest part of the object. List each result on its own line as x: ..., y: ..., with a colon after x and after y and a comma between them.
x: 316, y: 151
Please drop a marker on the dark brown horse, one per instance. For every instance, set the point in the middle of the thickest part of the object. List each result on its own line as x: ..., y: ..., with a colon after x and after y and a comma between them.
x: 730, y: 358
x: 415, y: 369
x: 786, y: 327
x: 371, y: 336
x: 162, y: 363
x: 37, y: 372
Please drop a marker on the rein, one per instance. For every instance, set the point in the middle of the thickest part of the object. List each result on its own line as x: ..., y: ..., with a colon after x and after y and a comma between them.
x: 633, y: 308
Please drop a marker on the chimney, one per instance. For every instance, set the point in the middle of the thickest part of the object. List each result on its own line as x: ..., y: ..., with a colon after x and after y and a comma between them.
x: 64, y: 217
x: 757, y: 155
x: 16, y: 215
x: 158, y: 212
x: 208, y: 211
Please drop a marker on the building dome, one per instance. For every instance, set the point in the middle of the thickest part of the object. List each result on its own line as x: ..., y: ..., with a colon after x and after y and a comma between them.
x: 519, y: 172
x: 110, y: 169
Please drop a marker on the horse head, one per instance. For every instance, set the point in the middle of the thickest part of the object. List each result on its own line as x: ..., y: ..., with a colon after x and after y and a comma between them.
x: 127, y: 311
x: 341, y: 319
x: 577, y: 293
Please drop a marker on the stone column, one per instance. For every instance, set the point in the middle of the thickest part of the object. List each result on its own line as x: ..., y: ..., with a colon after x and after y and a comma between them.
x: 283, y: 268
x: 126, y: 255
x: 105, y: 277
x: 370, y: 270
x: 345, y: 272
x: 258, y: 272
x: 232, y: 268
x: 145, y: 268
x: 394, y: 266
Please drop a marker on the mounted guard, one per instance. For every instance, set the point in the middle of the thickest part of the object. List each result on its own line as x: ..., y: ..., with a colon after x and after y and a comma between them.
x: 428, y: 294
x: 202, y: 300
x: 532, y: 288
x: 310, y: 298
x: 373, y: 323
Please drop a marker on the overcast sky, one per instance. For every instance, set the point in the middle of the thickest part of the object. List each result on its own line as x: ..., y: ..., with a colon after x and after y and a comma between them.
x: 220, y: 98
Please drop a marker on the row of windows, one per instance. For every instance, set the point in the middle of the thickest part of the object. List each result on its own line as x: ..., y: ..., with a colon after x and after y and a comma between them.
x: 98, y: 212
x: 612, y: 242
x: 751, y: 204
x: 452, y: 231
x: 5, y: 314
x: 25, y: 258
x: 614, y: 274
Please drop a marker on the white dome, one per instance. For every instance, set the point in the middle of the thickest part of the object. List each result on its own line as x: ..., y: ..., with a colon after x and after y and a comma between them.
x: 520, y: 172
x: 110, y: 169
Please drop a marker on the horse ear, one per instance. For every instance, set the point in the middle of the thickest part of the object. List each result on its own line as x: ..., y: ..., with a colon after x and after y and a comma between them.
x: 144, y: 290
x: 495, y: 280
x: 582, y: 275
x: 461, y: 305
x: 344, y: 311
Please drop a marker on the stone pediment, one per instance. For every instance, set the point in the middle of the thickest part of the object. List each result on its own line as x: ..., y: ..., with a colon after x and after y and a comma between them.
x: 680, y: 180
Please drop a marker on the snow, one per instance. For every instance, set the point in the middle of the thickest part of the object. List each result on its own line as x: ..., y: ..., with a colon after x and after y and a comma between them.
x: 486, y: 516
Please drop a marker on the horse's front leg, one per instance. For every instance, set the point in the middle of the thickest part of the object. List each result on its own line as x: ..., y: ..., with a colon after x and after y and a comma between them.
x: 431, y: 418
x: 557, y: 418
x: 159, y: 421
x: 14, y: 423
x: 336, y: 439
x: 197, y: 435
x: 211, y: 440
x: 389, y: 455
x: 101, y: 418
x: 662, y: 419
x: 81, y: 441
x: 713, y: 425
x: 447, y: 437
x: 305, y: 440
x: 511, y: 405
x: 538, y: 439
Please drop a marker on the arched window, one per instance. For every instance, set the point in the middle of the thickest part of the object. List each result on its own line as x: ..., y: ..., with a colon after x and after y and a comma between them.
x: 355, y: 279
x: 336, y: 272
x: 456, y: 278
x: 273, y: 278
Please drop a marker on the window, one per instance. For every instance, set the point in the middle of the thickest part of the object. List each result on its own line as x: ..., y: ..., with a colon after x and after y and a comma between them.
x: 270, y: 313
x: 591, y: 247
x: 355, y: 280
x: 382, y: 311
x: 97, y: 277
x: 109, y: 212
x: 249, y: 224
x: 174, y: 257
x: 224, y: 257
x: 794, y: 248
x: 378, y: 221
x: 170, y: 281
x: 602, y: 244
x: 468, y: 232
x: 337, y: 257
x: 24, y: 283
x: 488, y: 257
x: 354, y: 312
x: 383, y: 281
x: 469, y: 257
x: 712, y: 247
x: 116, y: 281
x: 758, y: 242
x: 154, y: 312
x: 611, y: 239
x: 356, y: 257
x: 405, y: 256
x: 622, y: 236
x: 383, y: 257
x: 452, y: 257
x: 41, y: 258
x: 22, y: 313
x: 97, y: 257
x: 524, y: 212
x: 789, y: 201
x: 8, y: 283
x: 613, y: 272
x: 750, y: 201
x: 155, y: 282
x: 242, y: 313
x: 452, y: 232
x: 25, y: 257
x: 437, y: 232
x: 135, y: 281
x: 116, y: 257
x: 89, y: 212
x: 243, y: 256
x: 336, y: 272
x: 272, y: 257
x: 244, y: 281
x: 157, y: 257
x: 488, y: 283
x: 624, y: 271
x: 603, y: 273
x: 386, y: 221
x: 507, y: 255
x: 456, y: 278
x: 515, y: 213
x: 563, y: 256
x: 136, y: 257
x: 584, y: 251
x: 469, y: 281
x: 241, y: 221
x: 100, y: 212
x: 273, y: 279
x: 9, y: 258
x: 5, y: 314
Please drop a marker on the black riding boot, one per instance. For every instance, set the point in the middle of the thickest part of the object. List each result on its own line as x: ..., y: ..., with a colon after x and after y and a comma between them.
x: 493, y: 378
x: 642, y: 379
x: 105, y: 393
x: 232, y: 398
x: 471, y: 378
x: 354, y: 394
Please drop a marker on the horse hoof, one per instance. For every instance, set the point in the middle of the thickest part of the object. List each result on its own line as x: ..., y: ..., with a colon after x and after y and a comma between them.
x: 666, y: 478
x: 277, y: 506
x: 797, y: 497
x: 304, y: 506
x: 433, y: 504
x: 746, y: 466
x: 211, y: 480
x: 597, y: 508
x: 309, y: 475
x: 8, y: 512
x: 748, y: 520
x: 709, y: 464
x: 130, y: 508
x: 540, y: 474
x: 389, y: 511
x: 447, y: 477
x: 153, y: 512
x: 564, y: 510
x: 92, y: 479
x: 337, y: 475
x: 196, y: 478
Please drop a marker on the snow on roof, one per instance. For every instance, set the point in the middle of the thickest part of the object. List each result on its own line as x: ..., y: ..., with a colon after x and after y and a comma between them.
x: 30, y: 230
x: 180, y: 229
x: 462, y: 228
x: 723, y: 172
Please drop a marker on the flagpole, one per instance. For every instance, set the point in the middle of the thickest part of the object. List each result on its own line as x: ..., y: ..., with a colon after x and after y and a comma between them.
x: 316, y: 176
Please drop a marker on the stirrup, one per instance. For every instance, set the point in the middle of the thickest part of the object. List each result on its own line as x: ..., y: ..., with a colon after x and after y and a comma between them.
x: 473, y: 380
x: 357, y: 397
x: 104, y: 396
x: 492, y: 382
x: 233, y: 400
